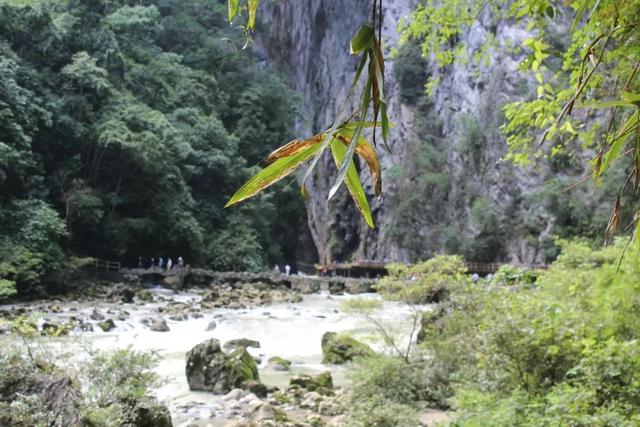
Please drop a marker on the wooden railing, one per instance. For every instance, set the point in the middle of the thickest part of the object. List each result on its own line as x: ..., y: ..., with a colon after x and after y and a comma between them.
x: 101, y: 264
x: 482, y: 267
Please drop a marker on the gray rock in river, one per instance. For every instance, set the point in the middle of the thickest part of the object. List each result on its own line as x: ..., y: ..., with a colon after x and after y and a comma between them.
x: 209, y: 369
x: 156, y: 325
x: 107, y: 325
x: 96, y: 315
x: 212, y: 325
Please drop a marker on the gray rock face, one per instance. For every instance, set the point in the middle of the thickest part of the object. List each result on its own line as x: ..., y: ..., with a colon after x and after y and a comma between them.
x: 308, y: 42
x: 209, y: 369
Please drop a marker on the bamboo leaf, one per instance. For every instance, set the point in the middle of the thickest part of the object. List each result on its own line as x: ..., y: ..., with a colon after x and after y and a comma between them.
x: 272, y: 174
x: 368, y: 154
x: 363, y: 40
x: 352, y: 180
x: 253, y: 8
x: 233, y: 9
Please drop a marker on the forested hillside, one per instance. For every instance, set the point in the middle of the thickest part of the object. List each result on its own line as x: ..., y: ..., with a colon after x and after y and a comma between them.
x: 125, y: 128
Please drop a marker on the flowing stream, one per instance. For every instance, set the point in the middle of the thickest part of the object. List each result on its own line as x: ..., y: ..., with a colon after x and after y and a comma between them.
x: 289, y: 330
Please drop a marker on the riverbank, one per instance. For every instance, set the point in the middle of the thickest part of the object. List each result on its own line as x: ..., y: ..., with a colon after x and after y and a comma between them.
x: 287, y: 324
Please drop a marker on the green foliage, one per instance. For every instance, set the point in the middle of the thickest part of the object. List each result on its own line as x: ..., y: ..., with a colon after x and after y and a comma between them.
x: 562, y: 352
x: 114, y: 386
x: 121, y: 375
x: 118, y: 381
x: 510, y: 275
x: 410, y: 72
x: 18, y: 407
x: 423, y: 282
x: 384, y: 392
x: 125, y: 129
x: 487, y: 242
x: 29, y: 244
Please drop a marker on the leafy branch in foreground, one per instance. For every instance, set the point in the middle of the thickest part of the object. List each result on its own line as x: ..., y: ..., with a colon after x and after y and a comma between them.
x: 344, y: 137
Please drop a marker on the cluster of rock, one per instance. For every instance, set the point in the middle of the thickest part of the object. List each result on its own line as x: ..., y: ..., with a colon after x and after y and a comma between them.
x: 307, y: 401
x: 234, y: 296
x: 198, y: 277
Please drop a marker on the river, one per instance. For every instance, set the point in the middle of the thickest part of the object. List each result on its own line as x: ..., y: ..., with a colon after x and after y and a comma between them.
x: 289, y: 330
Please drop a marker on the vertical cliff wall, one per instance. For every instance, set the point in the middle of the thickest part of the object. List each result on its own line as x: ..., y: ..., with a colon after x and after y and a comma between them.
x: 446, y: 188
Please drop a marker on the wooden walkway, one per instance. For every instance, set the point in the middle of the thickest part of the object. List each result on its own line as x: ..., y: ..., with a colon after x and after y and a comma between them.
x: 379, y: 268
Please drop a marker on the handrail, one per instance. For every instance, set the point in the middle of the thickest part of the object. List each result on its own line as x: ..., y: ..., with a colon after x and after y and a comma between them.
x: 101, y: 264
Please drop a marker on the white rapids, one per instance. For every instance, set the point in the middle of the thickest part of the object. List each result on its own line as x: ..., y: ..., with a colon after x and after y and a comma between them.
x: 289, y: 330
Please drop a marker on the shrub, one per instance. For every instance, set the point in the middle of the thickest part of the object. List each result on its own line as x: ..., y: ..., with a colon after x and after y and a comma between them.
x: 424, y: 282
x: 563, y: 353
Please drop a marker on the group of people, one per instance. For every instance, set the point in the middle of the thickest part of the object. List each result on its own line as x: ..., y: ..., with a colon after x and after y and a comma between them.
x: 287, y: 269
x: 160, y: 263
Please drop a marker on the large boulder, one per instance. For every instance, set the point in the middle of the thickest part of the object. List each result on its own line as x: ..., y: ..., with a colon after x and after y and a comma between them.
x: 209, y: 369
x: 338, y: 349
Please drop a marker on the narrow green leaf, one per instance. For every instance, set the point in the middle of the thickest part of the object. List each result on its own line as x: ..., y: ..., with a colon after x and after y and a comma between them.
x: 233, y: 9
x: 619, y: 142
x: 365, y: 150
x: 253, y: 8
x: 363, y: 40
x: 352, y: 180
x: 633, y: 98
x: 607, y: 104
x: 272, y: 174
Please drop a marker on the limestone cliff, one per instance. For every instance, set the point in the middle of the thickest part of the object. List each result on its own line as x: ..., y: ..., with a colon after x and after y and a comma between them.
x: 446, y: 188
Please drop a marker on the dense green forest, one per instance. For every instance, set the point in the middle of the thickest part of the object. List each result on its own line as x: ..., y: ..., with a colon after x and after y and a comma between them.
x: 125, y: 128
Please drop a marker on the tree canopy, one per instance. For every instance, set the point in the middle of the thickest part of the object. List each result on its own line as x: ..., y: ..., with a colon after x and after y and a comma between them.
x: 125, y: 128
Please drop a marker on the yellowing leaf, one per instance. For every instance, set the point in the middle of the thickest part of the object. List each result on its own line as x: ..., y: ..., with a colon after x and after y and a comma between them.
x: 272, y: 174
x: 352, y: 180
x: 291, y: 148
x: 368, y: 154
x: 233, y: 9
x: 253, y: 8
